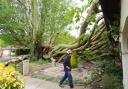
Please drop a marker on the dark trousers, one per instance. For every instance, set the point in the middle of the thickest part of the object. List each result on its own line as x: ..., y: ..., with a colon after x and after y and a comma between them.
x: 69, y: 76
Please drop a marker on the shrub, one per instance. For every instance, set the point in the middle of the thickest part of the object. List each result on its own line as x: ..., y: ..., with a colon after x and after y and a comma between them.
x: 22, y: 51
x: 41, y: 61
x: 9, y: 78
x: 109, y: 81
x: 112, y: 68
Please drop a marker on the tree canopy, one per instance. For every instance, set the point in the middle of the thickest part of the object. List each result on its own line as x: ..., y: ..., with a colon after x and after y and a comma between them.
x: 42, y: 24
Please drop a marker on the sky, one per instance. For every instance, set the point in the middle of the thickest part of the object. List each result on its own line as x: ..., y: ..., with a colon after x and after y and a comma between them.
x: 75, y: 31
x: 77, y: 3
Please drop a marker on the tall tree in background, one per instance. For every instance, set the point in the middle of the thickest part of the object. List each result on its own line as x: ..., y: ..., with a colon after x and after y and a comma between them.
x: 33, y: 23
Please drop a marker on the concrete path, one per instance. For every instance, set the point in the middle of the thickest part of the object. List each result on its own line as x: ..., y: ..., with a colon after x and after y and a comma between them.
x: 33, y: 83
x: 3, y: 59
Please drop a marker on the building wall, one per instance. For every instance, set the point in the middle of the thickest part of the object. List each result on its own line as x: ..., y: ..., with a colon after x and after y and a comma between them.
x: 124, y: 12
x: 124, y: 40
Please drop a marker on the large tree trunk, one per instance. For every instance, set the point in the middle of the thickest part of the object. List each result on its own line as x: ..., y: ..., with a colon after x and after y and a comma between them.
x: 36, y: 44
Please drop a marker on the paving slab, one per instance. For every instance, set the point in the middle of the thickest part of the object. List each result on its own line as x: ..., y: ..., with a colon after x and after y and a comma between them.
x: 33, y: 83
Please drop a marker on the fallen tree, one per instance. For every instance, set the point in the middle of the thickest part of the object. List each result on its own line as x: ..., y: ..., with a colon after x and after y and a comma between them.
x: 83, y: 41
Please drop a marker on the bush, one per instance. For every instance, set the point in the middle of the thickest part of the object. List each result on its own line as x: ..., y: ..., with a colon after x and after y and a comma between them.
x: 41, y: 61
x: 112, y: 68
x: 9, y: 78
x: 22, y: 51
x: 109, y: 81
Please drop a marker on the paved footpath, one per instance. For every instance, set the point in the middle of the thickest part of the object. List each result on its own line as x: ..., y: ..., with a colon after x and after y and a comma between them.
x: 33, y: 83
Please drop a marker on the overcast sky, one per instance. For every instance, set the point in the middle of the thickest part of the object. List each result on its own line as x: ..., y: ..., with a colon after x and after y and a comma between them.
x: 75, y: 31
x: 79, y: 4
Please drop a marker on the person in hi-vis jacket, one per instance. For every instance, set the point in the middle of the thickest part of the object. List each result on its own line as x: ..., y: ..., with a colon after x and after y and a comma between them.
x: 67, y: 70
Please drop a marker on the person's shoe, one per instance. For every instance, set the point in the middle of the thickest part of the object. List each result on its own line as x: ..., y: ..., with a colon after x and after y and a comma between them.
x: 62, y: 86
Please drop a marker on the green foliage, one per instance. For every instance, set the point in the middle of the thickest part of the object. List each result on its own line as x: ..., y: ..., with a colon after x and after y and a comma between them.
x: 11, y: 24
x: 70, y: 15
x: 110, y: 67
x: 92, y: 18
x: 108, y: 55
x: 2, y: 43
x: 90, y: 1
x: 33, y: 26
x: 22, y: 51
x: 114, y: 30
x: 40, y: 61
x: 63, y: 38
x: 57, y: 18
x: 76, y: 13
x: 15, y: 26
x: 88, y: 55
x: 91, y: 77
x: 9, y: 78
x: 83, y: 39
x: 112, y: 77
x: 110, y: 81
